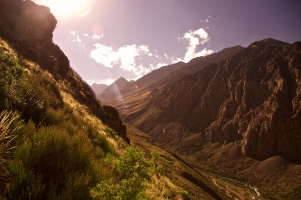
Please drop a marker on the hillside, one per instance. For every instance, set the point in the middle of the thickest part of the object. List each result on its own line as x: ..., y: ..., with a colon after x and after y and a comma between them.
x: 234, y: 116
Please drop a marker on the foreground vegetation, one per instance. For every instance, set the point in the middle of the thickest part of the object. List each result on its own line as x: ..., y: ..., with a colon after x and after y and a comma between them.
x: 49, y: 152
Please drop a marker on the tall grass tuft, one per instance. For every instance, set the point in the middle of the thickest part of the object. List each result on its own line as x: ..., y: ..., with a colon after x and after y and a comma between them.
x: 7, y: 129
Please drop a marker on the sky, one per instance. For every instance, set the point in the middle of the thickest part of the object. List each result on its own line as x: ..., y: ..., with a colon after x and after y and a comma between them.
x: 108, y: 39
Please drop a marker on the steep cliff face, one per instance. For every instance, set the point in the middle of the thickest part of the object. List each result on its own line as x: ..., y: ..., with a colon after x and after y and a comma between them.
x: 29, y: 27
x: 252, y: 99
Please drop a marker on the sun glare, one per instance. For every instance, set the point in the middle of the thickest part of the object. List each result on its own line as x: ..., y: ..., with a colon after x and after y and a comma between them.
x: 66, y: 8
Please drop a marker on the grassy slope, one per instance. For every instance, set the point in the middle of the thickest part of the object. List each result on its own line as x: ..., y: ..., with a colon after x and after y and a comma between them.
x: 55, y: 148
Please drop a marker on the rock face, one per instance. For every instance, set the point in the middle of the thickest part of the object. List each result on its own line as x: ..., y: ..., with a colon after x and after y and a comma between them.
x: 28, y: 28
x: 252, y: 99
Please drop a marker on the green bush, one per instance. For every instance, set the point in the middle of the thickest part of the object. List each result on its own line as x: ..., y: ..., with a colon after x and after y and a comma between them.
x: 131, y: 173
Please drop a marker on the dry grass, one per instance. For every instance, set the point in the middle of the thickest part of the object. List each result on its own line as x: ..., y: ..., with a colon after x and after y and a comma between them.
x: 6, y: 137
x: 4, y: 45
x: 162, y: 187
x: 82, y: 111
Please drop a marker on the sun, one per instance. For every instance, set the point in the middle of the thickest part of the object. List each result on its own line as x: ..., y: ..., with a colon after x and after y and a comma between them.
x: 67, y: 8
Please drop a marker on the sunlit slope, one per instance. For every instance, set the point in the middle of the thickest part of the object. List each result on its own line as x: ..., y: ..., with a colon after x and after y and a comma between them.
x: 195, y: 182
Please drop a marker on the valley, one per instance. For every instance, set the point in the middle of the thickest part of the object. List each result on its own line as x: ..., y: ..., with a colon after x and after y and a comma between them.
x: 238, y: 118
x: 225, y: 125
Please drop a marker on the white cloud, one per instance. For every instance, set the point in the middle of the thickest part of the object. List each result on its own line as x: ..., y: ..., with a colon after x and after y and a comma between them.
x: 176, y: 60
x: 166, y: 55
x: 150, y: 54
x: 86, y: 34
x: 108, y: 81
x: 96, y: 37
x: 204, y: 52
x: 201, y: 33
x: 104, y: 55
x: 77, y: 39
x: 140, y: 70
x: 193, y: 38
x: 161, y: 65
x: 73, y: 32
x: 125, y: 56
x: 144, y: 48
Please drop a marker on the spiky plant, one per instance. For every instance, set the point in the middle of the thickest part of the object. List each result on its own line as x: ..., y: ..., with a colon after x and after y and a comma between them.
x: 7, y: 135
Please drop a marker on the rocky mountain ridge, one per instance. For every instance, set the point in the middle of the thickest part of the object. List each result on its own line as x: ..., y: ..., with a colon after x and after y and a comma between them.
x: 166, y: 74
x: 251, y: 99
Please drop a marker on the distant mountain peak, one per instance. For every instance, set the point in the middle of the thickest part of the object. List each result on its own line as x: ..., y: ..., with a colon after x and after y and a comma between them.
x: 269, y: 41
x: 121, y: 79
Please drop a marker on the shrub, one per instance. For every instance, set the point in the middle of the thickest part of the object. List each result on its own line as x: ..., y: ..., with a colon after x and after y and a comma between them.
x: 110, y: 132
x: 57, y: 164
x: 131, y: 173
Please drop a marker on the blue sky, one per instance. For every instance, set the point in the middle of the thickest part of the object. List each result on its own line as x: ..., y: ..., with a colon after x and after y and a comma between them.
x: 107, y: 39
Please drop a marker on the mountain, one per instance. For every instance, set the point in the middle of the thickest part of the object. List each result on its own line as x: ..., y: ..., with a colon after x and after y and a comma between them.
x: 240, y: 116
x: 113, y: 89
x: 198, y: 64
x: 98, y: 88
x: 134, y: 95
x: 170, y: 73
x: 149, y: 79
x: 250, y: 99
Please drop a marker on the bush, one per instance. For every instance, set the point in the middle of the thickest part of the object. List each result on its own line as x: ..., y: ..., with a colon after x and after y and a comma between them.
x: 131, y: 173
x: 61, y: 163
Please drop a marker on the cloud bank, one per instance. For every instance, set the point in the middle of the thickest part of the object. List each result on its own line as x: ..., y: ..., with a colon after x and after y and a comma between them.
x: 125, y: 57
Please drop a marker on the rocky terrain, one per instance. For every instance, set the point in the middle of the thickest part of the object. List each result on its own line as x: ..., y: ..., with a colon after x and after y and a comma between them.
x: 251, y: 99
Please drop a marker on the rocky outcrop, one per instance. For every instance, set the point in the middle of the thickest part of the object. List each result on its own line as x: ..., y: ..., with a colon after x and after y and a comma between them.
x: 252, y: 99
x: 29, y: 27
